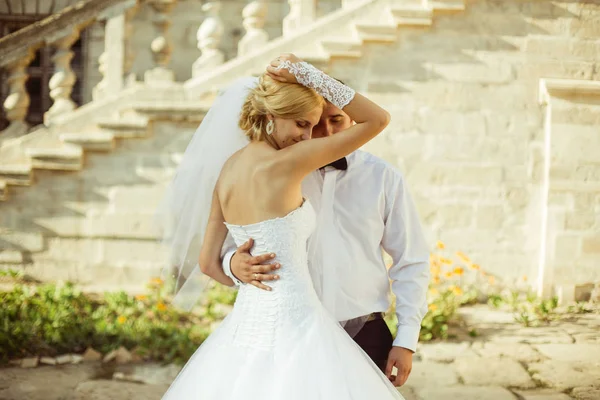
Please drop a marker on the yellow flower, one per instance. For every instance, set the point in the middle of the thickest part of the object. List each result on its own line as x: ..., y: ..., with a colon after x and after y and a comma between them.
x: 457, y: 291
x: 524, y: 278
x: 121, y: 319
x: 446, y: 261
x: 491, y: 280
x: 157, y: 281
x: 141, y: 297
x: 459, y: 271
x: 437, y: 280
x: 476, y: 267
x: 433, y: 307
x: 448, y: 274
x: 440, y: 245
x: 463, y: 256
x: 433, y: 292
x: 161, y: 306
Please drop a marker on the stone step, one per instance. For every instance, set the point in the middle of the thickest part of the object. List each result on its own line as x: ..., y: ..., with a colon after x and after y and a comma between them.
x: 446, y: 6
x: 18, y: 175
x: 68, y: 158
x: 194, y: 111
x: 91, y: 141
x: 127, y: 128
x: 3, y: 191
x: 412, y: 16
x: 377, y: 32
x: 317, y: 58
x: 343, y: 48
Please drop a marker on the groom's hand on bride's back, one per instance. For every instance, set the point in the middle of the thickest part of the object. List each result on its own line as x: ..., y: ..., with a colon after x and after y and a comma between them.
x: 253, y: 269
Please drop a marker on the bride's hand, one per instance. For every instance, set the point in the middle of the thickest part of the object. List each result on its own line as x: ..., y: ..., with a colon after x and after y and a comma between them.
x: 282, y: 74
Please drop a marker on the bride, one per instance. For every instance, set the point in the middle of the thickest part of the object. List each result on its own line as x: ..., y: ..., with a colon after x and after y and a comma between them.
x: 278, y: 344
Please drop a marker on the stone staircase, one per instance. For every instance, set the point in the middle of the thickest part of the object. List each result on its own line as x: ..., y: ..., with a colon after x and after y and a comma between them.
x: 342, y: 35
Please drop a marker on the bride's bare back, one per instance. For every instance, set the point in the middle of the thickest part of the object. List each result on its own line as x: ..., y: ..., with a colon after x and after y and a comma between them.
x: 248, y: 190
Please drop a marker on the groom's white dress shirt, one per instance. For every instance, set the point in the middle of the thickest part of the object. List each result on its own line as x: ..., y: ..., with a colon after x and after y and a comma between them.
x: 374, y: 211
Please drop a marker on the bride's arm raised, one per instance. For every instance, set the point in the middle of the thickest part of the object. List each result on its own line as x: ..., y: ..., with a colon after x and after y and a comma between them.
x: 214, y: 236
x: 309, y: 155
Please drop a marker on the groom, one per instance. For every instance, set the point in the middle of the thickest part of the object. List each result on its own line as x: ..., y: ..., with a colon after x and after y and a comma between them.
x: 374, y: 210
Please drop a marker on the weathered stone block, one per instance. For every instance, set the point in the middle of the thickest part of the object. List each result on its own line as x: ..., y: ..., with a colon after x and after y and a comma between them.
x: 465, y: 393
x: 490, y: 371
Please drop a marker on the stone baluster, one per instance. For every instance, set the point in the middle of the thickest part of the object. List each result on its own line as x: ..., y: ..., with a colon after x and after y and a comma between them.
x: 160, y: 46
x: 63, y: 80
x: 17, y: 103
x: 209, y: 37
x: 118, y: 56
x: 129, y: 56
x: 254, y: 15
x: 302, y: 13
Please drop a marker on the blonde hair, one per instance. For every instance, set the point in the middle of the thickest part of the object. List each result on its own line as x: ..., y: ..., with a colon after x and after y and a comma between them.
x: 282, y: 100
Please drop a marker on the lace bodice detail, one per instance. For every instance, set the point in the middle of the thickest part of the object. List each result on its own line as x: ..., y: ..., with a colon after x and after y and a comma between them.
x: 259, y: 313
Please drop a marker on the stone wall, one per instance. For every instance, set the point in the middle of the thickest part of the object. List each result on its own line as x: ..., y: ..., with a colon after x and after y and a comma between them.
x: 468, y: 132
x: 95, y: 226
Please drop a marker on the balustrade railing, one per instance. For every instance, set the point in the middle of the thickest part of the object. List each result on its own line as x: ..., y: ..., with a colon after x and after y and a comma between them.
x: 62, y: 30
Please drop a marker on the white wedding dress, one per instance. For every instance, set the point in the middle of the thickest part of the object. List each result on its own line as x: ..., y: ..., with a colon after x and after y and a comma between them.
x: 282, y: 344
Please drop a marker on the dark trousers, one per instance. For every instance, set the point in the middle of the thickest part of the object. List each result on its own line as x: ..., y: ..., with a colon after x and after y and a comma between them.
x: 376, y: 340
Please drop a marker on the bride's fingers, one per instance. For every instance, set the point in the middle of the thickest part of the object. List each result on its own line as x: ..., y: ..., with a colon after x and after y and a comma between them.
x: 277, y: 77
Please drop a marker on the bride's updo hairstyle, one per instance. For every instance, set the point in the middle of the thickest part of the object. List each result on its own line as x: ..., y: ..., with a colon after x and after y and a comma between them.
x: 282, y: 100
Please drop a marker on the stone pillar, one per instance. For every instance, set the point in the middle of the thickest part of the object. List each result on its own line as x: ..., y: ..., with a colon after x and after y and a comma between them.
x: 302, y: 13
x: 209, y: 37
x: 161, y: 48
x: 256, y: 37
x: 63, y: 80
x: 17, y: 103
x: 111, y: 61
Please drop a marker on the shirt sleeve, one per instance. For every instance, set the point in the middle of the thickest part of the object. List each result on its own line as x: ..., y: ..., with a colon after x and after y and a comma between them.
x: 227, y: 253
x: 404, y: 241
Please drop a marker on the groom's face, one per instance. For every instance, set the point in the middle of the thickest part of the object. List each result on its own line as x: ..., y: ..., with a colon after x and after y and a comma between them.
x: 333, y: 120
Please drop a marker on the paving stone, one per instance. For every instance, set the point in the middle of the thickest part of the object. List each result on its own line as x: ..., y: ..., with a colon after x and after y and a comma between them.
x: 537, y: 335
x: 542, y: 394
x: 571, y: 352
x: 149, y: 373
x: 493, y: 371
x: 518, y: 351
x: 445, y: 352
x: 408, y: 393
x: 561, y: 375
x: 114, y: 390
x: 465, y: 393
x: 425, y: 372
x: 33, y: 384
x: 586, y: 393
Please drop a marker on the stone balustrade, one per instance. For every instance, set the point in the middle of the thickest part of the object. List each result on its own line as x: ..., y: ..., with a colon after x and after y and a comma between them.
x: 115, y: 63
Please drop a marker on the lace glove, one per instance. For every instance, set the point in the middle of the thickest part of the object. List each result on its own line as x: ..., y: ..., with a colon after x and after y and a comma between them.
x: 335, y: 92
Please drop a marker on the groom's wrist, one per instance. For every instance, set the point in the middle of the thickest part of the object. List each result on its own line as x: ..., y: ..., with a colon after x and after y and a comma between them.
x: 407, y: 337
x: 227, y: 268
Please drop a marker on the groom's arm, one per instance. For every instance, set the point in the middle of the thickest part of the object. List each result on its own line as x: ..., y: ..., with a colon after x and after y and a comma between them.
x: 242, y: 267
x: 405, y: 242
x: 227, y: 253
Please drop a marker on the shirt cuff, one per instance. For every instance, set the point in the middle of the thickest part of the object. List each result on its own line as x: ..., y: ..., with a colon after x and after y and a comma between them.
x: 407, y: 337
x: 227, y: 268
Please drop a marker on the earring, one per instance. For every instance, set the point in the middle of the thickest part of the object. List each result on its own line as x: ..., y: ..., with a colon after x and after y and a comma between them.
x: 270, y: 127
